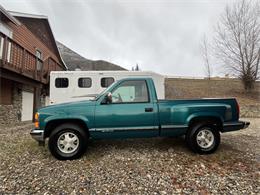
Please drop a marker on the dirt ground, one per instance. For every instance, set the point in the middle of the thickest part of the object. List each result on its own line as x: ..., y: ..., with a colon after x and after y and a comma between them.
x: 132, y: 166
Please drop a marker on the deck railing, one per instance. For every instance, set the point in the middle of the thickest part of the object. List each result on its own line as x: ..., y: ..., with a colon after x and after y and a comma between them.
x: 16, y: 58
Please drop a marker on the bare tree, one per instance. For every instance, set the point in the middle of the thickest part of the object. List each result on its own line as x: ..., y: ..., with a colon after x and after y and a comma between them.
x: 137, y: 67
x: 237, y: 41
x: 206, y: 56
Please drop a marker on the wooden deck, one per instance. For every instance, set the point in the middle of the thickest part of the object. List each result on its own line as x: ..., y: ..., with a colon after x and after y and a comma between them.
x: 17, y: 59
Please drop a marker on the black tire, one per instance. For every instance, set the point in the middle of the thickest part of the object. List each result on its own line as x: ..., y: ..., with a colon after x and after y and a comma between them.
x: 192, y: 135
x: 70, y: 129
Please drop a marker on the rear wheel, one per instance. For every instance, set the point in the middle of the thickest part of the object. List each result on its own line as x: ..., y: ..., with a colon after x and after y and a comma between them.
x: 203, y: 138
x: 67, y: 142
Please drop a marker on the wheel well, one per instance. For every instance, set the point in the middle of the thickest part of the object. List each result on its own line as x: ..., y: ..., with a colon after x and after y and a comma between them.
x: 55, y: 123
x: 207, y: 120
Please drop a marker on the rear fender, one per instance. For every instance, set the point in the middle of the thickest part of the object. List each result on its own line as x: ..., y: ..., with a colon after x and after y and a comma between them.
x: 204, y: 116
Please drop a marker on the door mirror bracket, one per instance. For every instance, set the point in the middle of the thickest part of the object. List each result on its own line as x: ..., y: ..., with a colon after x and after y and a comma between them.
x: 107, y: 99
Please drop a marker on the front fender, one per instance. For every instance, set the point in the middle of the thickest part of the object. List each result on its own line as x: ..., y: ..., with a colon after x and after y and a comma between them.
x: 67, y: 117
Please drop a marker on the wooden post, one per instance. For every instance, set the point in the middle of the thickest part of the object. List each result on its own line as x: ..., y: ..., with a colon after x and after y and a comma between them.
x: 36, y: 99
x: 48, y: 70
x: 35, y: 67
x: 23, y: 61
x: 34, y: 103
x: 41, y: 75
x: 4, y: 58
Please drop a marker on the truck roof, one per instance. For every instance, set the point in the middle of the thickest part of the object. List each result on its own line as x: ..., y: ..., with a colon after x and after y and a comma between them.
x: 137, y: 78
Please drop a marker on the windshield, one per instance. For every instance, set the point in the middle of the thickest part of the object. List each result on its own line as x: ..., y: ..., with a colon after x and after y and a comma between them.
x: 105, y: 91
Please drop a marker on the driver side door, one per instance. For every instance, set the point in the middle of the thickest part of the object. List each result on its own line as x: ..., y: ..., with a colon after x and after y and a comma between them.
x: 130, y: 114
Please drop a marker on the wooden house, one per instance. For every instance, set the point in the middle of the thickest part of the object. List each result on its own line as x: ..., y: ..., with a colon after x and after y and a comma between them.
x: 28, y: 52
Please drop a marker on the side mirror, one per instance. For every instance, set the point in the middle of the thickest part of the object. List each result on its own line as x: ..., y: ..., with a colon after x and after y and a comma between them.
x: 107, y: 99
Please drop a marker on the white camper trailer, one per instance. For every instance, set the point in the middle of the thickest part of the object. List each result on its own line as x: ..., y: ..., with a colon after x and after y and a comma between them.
x: 68, y: 86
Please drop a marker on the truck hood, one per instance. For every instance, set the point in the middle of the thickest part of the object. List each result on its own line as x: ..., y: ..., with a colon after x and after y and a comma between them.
x: 64, y: 107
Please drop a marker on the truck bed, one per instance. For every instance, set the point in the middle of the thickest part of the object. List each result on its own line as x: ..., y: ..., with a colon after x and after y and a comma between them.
x: 182, y: 109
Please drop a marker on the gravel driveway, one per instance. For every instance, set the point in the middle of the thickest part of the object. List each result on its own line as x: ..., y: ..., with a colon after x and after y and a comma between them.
x: 133, y: 166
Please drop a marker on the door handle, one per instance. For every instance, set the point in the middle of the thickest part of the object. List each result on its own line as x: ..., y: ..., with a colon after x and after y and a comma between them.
x: 148, y: 109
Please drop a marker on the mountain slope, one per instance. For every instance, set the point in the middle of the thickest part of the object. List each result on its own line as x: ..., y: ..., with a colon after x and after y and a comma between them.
x: 75, y: 61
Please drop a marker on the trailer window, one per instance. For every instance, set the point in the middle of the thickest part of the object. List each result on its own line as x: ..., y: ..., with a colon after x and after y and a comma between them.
x: 61, y: 82
x: 107, y: 81
x: 85, y: 82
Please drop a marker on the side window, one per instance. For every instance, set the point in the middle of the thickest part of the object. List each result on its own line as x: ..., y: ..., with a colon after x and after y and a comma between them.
x: 107, y: 81
x: 9, y: 33
x: 61, y: 82
x: 85, y: 82
x: 131, y: 92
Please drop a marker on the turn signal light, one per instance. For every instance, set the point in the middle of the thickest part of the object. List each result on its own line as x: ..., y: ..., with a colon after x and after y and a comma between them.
x: 36, y: 119
x: 36, y: 116
x: 36, y: 124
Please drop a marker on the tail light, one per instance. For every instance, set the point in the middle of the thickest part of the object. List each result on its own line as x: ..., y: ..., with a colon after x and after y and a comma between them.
x: 238, y: 108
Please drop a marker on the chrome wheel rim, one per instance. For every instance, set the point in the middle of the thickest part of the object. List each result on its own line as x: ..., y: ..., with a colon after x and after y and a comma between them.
x: 205, y: 138
x: 68, y: 142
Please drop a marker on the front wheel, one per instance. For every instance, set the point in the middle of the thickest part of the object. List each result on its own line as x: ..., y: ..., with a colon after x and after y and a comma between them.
x: 203, y: 138
x: 67, y: 142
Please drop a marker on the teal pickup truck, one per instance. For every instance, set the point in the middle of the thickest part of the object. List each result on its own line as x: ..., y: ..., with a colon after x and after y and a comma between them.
x: 129, y: 108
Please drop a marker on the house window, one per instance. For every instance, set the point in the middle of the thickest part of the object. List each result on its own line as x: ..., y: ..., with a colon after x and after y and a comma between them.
x: 107, y: 81
x: 9, y: 47
x: 85, y: 82
x: 61, y: 82
x: 39, y: 59
x: 9, y: 33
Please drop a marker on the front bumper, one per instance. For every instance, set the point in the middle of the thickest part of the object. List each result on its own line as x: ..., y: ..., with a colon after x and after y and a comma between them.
x: 37, y: 134
x: 234, y: 126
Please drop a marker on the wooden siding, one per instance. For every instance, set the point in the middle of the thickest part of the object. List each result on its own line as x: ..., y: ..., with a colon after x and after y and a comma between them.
x: 23, y: 59
x: 29, y: 41
x: 41, y: 29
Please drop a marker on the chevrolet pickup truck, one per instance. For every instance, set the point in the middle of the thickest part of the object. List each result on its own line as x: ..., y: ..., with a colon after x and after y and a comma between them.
x: 129, y: 108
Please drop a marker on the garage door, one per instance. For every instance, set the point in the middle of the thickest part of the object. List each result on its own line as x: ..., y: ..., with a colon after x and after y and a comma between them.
x: 27, y: 106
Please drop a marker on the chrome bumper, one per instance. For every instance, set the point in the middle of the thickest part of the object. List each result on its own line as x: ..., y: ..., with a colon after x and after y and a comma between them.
x: 234, y: 126
x: 37, y: 134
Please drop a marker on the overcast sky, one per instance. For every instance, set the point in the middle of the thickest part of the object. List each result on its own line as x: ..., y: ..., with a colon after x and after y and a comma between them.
x: 160, y: 35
